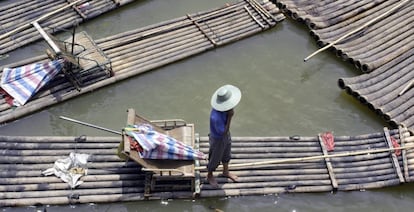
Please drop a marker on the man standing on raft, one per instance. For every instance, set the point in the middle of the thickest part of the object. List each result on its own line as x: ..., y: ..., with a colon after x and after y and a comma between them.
x: 223, y: 102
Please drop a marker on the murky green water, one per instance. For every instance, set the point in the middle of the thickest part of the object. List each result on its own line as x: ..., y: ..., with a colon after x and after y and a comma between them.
x: 282, y: 96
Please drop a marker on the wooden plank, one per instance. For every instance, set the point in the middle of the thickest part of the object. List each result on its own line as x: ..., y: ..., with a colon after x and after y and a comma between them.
x: 178, y: 168
x: 393, y: 156
x: 262, y: 11
x: 254, y: 18
x: 78, y: 10
x: 92, y: 56
x: 404, y: 153
x: 49, y: 40
x: 328, y: 164
x: 201, y: 30
x: 197, y: 180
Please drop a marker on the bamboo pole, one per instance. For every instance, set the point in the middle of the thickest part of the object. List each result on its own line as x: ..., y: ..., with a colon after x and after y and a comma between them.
x: 408, y: 86
x: 363, y: 164
x: 341, y: 13
x: 44, y: 166
x: 56, y: 145
x: 315, y: 157
x: 335, y: 31
x: 60, y: 139
x: 65, y: 200
x: 99, y: 8
x: 89, y: 125
x: 52, y: 159
x: 54, y: 179
x: 391, y: 53
x: 51, y: 152
x: 389, y: 37
x: 177, y: 25
x: 380, y: 74
x: 397, y: 22
x: 379, y: 184
x: 82, y: 192
x: 39, y: 19
x: 166, y: 36
x: 344, y: 177
x: 17, y: 18
x: 174, y: 56
x: 36, y: 173
x: 16, y: 5
x: 358, y: 29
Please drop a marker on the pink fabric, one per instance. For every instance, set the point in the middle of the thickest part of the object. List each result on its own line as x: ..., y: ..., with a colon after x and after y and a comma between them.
x: 328, y: 140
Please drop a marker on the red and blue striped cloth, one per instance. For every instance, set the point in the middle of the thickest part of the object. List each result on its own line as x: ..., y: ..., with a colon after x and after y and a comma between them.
x: 156, y: 145
x: 23, y: 82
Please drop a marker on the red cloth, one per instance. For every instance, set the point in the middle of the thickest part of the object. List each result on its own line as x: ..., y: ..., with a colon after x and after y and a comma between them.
x: 134, y: 145
x: 328, y: 140
x: 396, y: 145
x: 7, y: 97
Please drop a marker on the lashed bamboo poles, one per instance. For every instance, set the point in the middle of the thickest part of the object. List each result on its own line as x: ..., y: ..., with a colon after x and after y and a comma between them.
x: 383, y: 47
x: 15, y: 21
x: 402, y: 3
x: 206, y: 44
x: 348, y: 179
x: 21, y: 189
x: 40, y: 19
x: 325, y: 13
x: 328, y: 34
x: 163, y: 43
x: 109, y: 180
x: 395, y: 27
x: 333, y: 32
x: 380, y: 89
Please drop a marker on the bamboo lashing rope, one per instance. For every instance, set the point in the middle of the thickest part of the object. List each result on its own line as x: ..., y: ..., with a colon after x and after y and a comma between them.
x: 39, y: 19
x: 313, y: 157
x: 358, y: 29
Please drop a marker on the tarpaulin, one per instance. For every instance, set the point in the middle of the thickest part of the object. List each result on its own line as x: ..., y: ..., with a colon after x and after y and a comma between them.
x: 23, y: 82
x: 156, y: 145
x: 70, y: 169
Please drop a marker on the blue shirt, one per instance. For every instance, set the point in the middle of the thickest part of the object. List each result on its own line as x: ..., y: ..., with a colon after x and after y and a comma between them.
x: 218, y: 122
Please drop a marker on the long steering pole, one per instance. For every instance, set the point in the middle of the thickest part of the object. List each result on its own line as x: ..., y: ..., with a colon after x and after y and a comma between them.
x: 90, y: 125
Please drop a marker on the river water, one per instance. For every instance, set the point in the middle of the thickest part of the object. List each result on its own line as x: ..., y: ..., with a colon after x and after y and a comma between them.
x: 282, y: 96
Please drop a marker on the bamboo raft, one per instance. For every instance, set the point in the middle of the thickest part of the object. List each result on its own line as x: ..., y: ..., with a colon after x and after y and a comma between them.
x: 137, y: 51
x: 265, y: 165
x: 16, y: 18
x: 377, y: 37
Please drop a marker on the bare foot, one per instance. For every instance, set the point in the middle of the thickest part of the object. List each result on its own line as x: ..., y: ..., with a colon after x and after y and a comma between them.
x: 212, y: 181
x: 231, y: 176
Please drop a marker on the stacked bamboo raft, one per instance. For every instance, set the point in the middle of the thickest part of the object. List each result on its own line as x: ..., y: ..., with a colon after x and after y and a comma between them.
x: 16, y: 17
x: 137, y: 51
x: 385, y: 90
x: 374, y: 35
x: 265, y: 165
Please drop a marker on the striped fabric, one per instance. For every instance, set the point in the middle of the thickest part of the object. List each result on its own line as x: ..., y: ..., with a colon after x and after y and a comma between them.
x: 23, y: 82
x: 156, y: 145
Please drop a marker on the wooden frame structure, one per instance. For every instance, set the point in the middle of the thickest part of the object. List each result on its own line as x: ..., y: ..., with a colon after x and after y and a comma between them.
x: 162, y: 175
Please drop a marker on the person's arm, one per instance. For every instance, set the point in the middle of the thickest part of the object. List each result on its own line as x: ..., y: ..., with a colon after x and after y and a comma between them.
x: 230, y: 114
